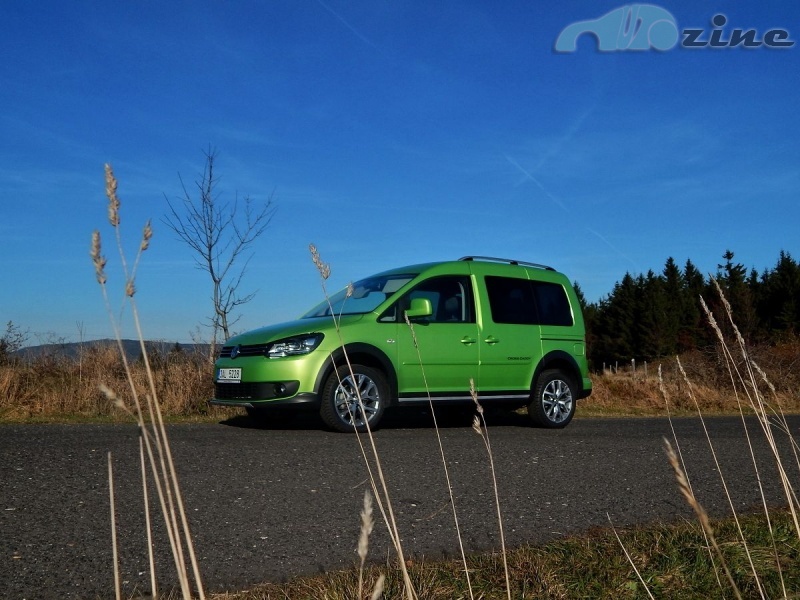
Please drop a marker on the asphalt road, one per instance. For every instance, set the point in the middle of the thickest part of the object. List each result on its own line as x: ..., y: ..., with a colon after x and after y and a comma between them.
x: 269, y: 503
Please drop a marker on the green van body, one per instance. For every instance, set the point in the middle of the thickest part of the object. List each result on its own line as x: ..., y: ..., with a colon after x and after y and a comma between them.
x: 418, y: 334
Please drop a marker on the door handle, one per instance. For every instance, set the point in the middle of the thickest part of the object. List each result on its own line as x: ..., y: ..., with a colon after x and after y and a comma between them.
x: 466, y: 340
x: 491, y: 340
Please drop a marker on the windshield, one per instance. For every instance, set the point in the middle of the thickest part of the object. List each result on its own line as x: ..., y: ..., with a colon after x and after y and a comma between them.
x: 367, y: 295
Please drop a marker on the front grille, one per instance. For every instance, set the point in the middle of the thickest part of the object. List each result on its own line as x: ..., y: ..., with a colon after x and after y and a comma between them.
x: 253, y: 350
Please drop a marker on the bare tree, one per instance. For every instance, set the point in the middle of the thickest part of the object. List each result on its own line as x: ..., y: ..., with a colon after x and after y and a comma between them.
x: 13, y: 339
x: 220, y: 235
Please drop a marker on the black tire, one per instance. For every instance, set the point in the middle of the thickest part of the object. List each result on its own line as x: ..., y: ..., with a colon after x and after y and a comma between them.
x: 553, y: 400
x: 341, y: 406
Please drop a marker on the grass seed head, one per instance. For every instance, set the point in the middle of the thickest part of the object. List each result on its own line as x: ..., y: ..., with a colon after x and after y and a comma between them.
x: 324, y: 270
x: 378, y: 591
x: 474, y: 395
x: 113, y: 200
x: 476, y: 425
x: 97, y: 258
x: 367, y: 524
x: 761, y: 372
x: 146, y: 235
x: 111, y: 396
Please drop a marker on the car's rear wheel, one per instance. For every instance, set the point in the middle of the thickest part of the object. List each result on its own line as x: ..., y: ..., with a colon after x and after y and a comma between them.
x: 553, y: 400
x: 353, y: 399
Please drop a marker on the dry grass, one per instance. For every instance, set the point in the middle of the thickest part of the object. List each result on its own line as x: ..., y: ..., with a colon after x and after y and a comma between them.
x: 637, y: 393
x: 673, y: 561
x: 55, y: 387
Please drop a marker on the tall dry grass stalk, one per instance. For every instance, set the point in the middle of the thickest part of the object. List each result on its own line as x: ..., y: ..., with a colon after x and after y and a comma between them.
x: 768, y: 414
x: 722, y: 477
x: 376, y: 476
x: 444, y: 460
x: 630, y: 559
x: 479, y: 425
x: 679, y: 454
x: 146, y: 499
x: 114, y: 550
x: 702, y: 516
x: 367, y: 524
x: 749, y: 398
x: 149, y: 417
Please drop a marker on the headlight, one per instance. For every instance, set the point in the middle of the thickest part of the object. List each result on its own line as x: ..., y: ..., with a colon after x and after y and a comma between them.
x: 294, y: 346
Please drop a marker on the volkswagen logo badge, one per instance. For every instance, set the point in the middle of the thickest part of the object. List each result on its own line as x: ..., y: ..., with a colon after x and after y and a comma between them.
x: 235, y: 351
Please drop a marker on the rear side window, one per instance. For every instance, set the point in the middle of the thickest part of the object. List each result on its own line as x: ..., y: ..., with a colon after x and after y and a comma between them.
x: 552, y: 304
x: 511, y: 300
x: 525, y: 302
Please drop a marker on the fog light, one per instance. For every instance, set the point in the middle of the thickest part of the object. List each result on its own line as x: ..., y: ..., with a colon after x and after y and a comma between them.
x: 280, y: 389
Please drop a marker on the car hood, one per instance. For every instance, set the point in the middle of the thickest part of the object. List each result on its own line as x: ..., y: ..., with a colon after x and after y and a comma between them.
x: 279, y: 331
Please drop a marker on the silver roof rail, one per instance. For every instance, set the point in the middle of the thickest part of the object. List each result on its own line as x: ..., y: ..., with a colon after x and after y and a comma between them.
x: 507, y: 260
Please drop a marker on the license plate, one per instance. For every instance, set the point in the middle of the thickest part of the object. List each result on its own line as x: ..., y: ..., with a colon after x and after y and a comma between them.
x: 229, y: 375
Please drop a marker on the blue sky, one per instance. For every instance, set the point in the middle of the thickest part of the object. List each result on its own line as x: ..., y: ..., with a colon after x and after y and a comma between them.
x: 390, y: 133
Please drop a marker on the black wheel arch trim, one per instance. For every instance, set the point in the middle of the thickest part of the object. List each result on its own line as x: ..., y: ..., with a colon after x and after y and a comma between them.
x: 377, y: 359
x: 557, y: 359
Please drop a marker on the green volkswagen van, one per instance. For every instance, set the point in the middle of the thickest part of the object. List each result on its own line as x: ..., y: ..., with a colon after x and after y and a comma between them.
x: 419, y: 334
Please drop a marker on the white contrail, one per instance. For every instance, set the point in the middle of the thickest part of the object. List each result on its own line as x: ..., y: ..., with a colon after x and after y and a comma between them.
x: 536, y: 181
x: 570, y: 133
x: 636, y: 267
x: 552, y: 197
x: 346, y: 24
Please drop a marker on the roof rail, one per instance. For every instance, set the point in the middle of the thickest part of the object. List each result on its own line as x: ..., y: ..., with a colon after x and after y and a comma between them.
x: 507, y: 260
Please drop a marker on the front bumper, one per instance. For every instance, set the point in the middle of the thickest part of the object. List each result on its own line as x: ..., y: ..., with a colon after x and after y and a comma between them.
x: 304, y: 399
x: 263, y: 390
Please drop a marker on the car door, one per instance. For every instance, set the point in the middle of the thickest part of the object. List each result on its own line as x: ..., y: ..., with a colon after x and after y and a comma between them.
x: 510, y: 336
x: 439, y: 352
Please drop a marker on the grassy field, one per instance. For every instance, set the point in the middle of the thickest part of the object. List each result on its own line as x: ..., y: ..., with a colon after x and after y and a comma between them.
x: 673, y: 560
x: 55, y: 388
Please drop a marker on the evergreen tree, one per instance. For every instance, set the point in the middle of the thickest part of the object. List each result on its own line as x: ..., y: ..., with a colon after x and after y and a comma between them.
x: 646, y: 317
x: 589, y: 316
x: 651, y: 338
x: 615, y: 323
x: 673, y: 285
x: 779, y: 303
x: 692, y: 333
x: 732, y: 280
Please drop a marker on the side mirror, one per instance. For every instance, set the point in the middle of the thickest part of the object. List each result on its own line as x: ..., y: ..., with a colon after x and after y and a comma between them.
x: 420, y: 307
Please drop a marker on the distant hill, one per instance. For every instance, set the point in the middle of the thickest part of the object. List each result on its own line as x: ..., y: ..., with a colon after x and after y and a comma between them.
x: 132, y: 348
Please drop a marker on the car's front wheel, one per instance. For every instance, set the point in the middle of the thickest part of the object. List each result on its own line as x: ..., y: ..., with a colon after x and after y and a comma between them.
x: 553, y: 400
x: 354, y: 399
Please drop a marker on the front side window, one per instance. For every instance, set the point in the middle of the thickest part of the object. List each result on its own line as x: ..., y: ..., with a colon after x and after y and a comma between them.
x: 450, y: 296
